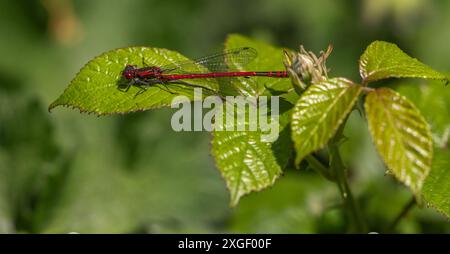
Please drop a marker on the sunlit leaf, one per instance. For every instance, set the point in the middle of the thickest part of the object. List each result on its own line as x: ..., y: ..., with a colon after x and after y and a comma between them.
x: 433, y: 98
x: 401, y: 136
x: 95, y: 88
x: 245, y: 161
x: 319, y: 112
x: 436, y: 189
x: 383, y: 60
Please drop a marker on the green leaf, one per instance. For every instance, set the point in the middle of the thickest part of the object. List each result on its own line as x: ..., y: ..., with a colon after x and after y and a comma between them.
x: 319, y: 112
x: 383, y: 60
x: 246, y: 163
x: 269, y: 59
x: 433, y: 98
x: 401, y: 136
x: 436, y: 189
x: 95, y: 88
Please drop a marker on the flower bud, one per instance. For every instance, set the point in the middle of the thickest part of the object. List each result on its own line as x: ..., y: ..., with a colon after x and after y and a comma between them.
x: 305, y: 67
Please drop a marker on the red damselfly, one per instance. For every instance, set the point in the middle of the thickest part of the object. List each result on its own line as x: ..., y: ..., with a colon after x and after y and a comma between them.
x: 220, y: 65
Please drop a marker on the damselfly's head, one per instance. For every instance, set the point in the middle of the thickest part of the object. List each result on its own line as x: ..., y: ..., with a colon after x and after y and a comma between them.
x: 129, y: 72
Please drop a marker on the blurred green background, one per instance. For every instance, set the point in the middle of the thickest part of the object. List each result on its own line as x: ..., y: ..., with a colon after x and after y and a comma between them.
x: 66, y: 171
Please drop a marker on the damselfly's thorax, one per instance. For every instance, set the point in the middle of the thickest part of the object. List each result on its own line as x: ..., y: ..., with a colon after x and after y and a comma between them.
x: 132, y: 72
x: 129, y: 72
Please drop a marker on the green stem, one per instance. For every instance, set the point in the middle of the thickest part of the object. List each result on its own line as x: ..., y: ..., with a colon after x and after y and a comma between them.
x: 401, y: 215
x: 353, y: 209
x: 319, y: 167
x: 340, y: 176
x: 337, y: 173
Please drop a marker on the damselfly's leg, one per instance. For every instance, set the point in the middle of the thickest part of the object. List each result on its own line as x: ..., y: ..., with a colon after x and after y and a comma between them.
x: 127, y: 87
x: 141, y: 90
x: 163, y: 86
x: 142, y: 85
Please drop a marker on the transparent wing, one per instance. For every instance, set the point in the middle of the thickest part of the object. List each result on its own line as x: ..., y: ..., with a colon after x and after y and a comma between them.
x: 229, y: 60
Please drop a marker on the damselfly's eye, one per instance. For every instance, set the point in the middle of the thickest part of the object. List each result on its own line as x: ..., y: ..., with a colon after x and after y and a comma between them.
x: 130, y: 68
x: 128, y: 73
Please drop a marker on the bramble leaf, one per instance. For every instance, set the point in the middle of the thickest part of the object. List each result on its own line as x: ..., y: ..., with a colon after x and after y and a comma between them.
x: 383, y: 60
x: 434, y: 98
x: 95, y: 88
x: 245, y: 161
x: 436, y: 189
x: 319, y: 112
x: 401, y: 136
